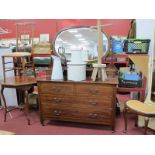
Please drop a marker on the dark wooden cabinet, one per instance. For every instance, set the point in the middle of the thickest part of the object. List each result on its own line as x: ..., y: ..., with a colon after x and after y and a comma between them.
x: 86, y: 102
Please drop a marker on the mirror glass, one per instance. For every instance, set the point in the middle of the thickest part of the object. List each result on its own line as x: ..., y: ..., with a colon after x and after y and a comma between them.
x: 84, y: 39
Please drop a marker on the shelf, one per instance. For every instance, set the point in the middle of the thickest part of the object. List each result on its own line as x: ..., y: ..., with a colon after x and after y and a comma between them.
x: 123, y: 89
x: 115, y: 62
x: 124, y: 55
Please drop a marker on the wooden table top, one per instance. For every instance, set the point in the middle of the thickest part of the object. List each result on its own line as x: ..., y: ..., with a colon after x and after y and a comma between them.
x: 16, y: 81
x: 113, y: 81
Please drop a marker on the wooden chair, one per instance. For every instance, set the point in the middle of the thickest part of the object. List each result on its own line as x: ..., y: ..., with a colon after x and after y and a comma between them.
x: 139, y: 108
x: 41, y: 55
x: 41, y: 58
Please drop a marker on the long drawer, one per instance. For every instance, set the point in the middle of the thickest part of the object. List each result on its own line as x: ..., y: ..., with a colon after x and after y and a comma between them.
x: 96, y: 116
x: 56, y: 88
x: 83, y: 115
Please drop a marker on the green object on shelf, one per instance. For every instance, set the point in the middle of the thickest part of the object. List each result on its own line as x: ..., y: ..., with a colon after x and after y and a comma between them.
x: 40, y: 60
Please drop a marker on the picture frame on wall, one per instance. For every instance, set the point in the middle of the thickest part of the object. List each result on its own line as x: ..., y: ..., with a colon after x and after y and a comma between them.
x: 44, y: 38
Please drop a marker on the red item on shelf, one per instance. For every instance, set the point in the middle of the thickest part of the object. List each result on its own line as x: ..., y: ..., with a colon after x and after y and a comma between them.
x: 41, y: 74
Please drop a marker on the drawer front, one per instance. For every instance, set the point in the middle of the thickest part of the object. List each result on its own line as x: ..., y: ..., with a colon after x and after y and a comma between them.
x: 56, y: 100
x: 96, y: 116
x: 56, y: 88
x: 94, y: 89
x: 58, y: 113
x: 82, y: 115
x: 94, y: 102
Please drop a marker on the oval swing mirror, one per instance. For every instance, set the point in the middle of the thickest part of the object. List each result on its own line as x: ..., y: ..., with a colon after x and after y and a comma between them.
x: 84, y: 39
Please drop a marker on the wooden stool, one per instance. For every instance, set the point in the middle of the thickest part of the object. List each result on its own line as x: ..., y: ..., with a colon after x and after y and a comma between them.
x: 144, y: 109
x: 100, y: 70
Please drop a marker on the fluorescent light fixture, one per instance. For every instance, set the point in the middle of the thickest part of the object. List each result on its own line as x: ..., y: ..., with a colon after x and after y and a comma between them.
x: 81, y: 39
x: 65, y: 42
x: 78, y: 35
x: 73, y: 31
x: 59, y: 39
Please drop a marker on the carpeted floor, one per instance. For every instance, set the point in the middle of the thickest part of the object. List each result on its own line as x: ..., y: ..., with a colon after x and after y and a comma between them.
x: 18, y: 124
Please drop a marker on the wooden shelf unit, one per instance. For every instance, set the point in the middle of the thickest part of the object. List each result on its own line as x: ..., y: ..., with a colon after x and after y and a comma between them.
x: 140, y: 90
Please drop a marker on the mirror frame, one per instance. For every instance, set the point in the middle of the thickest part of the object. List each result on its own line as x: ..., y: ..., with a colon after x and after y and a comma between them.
x: 74, y: 27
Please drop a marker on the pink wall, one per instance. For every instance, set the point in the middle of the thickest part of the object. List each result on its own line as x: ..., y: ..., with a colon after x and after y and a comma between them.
x: 52, y: 26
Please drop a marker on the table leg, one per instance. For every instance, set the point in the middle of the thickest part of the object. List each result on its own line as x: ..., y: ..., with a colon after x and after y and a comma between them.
x: 146, y: 120
x: 4, y: 101
x: 125, y: 118
x: 26, y: 106
x: 142, y: 96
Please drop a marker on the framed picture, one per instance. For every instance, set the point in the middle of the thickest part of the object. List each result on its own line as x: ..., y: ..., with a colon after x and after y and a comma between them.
x: 44, y: 38
x: 25, y: 36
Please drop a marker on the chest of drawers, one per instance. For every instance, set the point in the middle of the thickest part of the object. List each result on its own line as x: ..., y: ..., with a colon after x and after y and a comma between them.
x: 86, y: 102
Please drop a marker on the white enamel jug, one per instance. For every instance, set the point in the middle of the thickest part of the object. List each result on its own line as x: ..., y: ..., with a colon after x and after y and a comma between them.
x: 57, y: 73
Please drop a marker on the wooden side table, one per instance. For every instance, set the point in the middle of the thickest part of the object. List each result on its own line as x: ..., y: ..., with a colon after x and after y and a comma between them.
x: 22, y: 83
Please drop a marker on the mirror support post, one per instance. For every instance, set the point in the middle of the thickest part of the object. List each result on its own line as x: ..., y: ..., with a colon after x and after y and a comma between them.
x: 99, y: 68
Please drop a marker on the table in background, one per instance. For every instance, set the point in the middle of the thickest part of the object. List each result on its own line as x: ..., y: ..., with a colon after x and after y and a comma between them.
x: 22, y: 83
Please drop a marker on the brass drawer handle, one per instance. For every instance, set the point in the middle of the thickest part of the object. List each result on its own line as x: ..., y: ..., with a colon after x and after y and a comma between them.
x: 57, y: 100
x: 93, y: 91
x: 93, y: 115
x: 93, y: 102
x: 57, y: 112
x: 56, y: 89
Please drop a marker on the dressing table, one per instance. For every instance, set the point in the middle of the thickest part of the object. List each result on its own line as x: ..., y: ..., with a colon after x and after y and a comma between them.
x: 83, y: 101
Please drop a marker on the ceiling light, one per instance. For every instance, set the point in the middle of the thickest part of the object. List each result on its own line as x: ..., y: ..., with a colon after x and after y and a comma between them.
x: 78, y: 35
x: 73, y: 31
x: 65, y: 42
x: 59, y: 39
x: 82, y: 39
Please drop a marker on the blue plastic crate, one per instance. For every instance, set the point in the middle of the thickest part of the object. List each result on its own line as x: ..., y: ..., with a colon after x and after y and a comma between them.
x: 131, y: 77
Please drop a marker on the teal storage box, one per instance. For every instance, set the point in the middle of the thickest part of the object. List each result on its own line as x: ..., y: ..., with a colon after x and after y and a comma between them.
x: 117, y: 47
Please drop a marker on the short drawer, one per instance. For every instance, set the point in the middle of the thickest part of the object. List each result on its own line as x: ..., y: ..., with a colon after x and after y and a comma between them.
x: 94, y: 89
x: 94, y: 102
x: 60, y: 113
x: 56, y: 100
x: 96, y: 116
x: 55, y: 88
